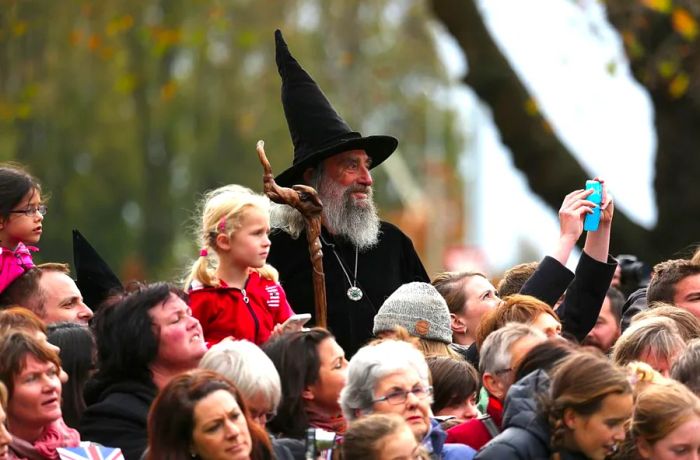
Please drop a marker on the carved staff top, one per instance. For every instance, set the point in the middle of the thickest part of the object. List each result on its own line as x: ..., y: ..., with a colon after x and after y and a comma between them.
x: 305, y: 200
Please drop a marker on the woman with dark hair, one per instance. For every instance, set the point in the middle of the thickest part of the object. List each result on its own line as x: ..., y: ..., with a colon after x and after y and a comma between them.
x: 455, y: 389
x: 545, y: 356
x: 201, y: 415
x: 78, y: 355
x: 30, y: 370
x: 313, y: 370
x: 143, y: 341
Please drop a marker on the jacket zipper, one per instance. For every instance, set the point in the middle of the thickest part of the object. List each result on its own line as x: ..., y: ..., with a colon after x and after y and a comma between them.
x: 252, y: 312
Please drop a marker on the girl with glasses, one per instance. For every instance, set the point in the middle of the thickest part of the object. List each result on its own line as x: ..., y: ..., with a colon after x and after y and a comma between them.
x: 21, y: 217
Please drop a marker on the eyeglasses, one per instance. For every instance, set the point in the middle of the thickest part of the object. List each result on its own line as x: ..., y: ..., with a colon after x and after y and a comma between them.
x: 504, y: 371
x: 32, y: 211
x: 262, y: 417
x: 400, y: 396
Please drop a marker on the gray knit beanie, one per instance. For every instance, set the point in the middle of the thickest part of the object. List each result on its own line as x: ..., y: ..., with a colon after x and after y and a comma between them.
x: 420, y: 309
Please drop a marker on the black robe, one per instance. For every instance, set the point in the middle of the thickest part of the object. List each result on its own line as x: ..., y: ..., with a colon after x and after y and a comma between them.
x: 380, y: 271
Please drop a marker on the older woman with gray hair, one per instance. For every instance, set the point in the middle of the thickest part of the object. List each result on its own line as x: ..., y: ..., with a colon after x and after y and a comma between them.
x: 392, y: 377
x: 254, y: 374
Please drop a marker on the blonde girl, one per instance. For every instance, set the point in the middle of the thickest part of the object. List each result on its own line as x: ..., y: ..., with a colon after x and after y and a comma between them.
x: 233, y: 292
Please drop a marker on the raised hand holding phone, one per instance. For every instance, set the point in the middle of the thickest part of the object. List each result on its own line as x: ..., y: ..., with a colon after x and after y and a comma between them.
x: 592, y: 220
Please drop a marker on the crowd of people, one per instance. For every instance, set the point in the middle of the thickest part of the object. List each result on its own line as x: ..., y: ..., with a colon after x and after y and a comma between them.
x: 552, y: 364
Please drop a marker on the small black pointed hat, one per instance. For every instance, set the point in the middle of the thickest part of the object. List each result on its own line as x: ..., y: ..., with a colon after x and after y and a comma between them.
x: 95, y: 279
x: 317, y: 130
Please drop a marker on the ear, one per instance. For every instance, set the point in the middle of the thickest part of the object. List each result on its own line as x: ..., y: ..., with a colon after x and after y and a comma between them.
x: 223, y: 241
x: 493, y: 386
x: 308, y: 394
x: 643, y: 448
x: 308, y: 174
x: 570, y: 418
x: 457, y: 325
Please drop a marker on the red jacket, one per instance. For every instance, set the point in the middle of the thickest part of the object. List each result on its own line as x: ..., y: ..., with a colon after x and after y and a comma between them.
x: 249, y: 313
x: 473, y: 432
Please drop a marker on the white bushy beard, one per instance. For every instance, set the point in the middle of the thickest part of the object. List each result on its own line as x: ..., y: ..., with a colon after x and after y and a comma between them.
x: 354, y: 220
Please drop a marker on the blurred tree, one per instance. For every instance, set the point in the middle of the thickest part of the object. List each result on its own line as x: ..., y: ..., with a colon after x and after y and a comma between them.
x: 661, y: 42
x: 128, y: 110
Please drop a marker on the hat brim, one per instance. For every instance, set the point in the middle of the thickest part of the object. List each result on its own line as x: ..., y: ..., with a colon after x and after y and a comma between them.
x: 378, y: 148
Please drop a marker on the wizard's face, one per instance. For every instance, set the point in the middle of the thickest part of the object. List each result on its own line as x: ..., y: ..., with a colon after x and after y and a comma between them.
x: 350, y: 173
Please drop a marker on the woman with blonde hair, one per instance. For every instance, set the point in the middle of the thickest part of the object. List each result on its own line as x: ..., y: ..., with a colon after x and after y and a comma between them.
x: 233, y: 291
x: 666, y: 423
x: 655, y: 341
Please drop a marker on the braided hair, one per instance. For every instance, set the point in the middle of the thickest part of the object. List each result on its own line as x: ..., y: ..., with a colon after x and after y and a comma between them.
x: 580, y: 383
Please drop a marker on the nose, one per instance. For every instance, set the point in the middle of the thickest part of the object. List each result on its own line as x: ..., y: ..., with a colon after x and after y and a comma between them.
x: 52, y: 383
x: 364, y: 176
x: 194, y: 322
x: 62, y: 376
x: 619, y: 435
x: 261, y: 419
x: 411, y: 400
x: 470, y: 412
x: 85, y: 312
x: 232, y: 430
x: 5, y: 436
x: 266, y: 241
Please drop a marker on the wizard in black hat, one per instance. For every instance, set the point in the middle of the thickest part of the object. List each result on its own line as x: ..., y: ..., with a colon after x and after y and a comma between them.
x: 364, y: 258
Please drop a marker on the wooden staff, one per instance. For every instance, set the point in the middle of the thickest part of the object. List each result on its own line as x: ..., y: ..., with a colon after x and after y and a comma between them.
x: 305, y: 200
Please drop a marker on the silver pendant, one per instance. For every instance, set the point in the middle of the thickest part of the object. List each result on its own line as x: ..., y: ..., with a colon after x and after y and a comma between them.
x: 354, y: 293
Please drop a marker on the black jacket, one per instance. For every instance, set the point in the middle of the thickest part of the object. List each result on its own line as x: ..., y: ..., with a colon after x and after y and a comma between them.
x: 585, y: 291
x: 526, y: 432
x: 380, y: 271
x: 117, y: 416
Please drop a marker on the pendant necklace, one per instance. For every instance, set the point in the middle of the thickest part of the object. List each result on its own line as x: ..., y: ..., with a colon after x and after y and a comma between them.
x: 354, y: 293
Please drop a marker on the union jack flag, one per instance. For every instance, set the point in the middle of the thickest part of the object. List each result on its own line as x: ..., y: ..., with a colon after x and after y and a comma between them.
x: 90, y: 452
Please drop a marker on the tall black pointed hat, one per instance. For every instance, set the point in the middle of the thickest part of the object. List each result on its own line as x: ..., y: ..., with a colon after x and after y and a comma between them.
x: 95, y: 279
x: 317, y: 130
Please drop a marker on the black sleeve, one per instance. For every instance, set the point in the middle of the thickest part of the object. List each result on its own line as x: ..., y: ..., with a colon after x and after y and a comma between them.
x: 580, y: 309
x: 549, y: 281
x: 112, y: 423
